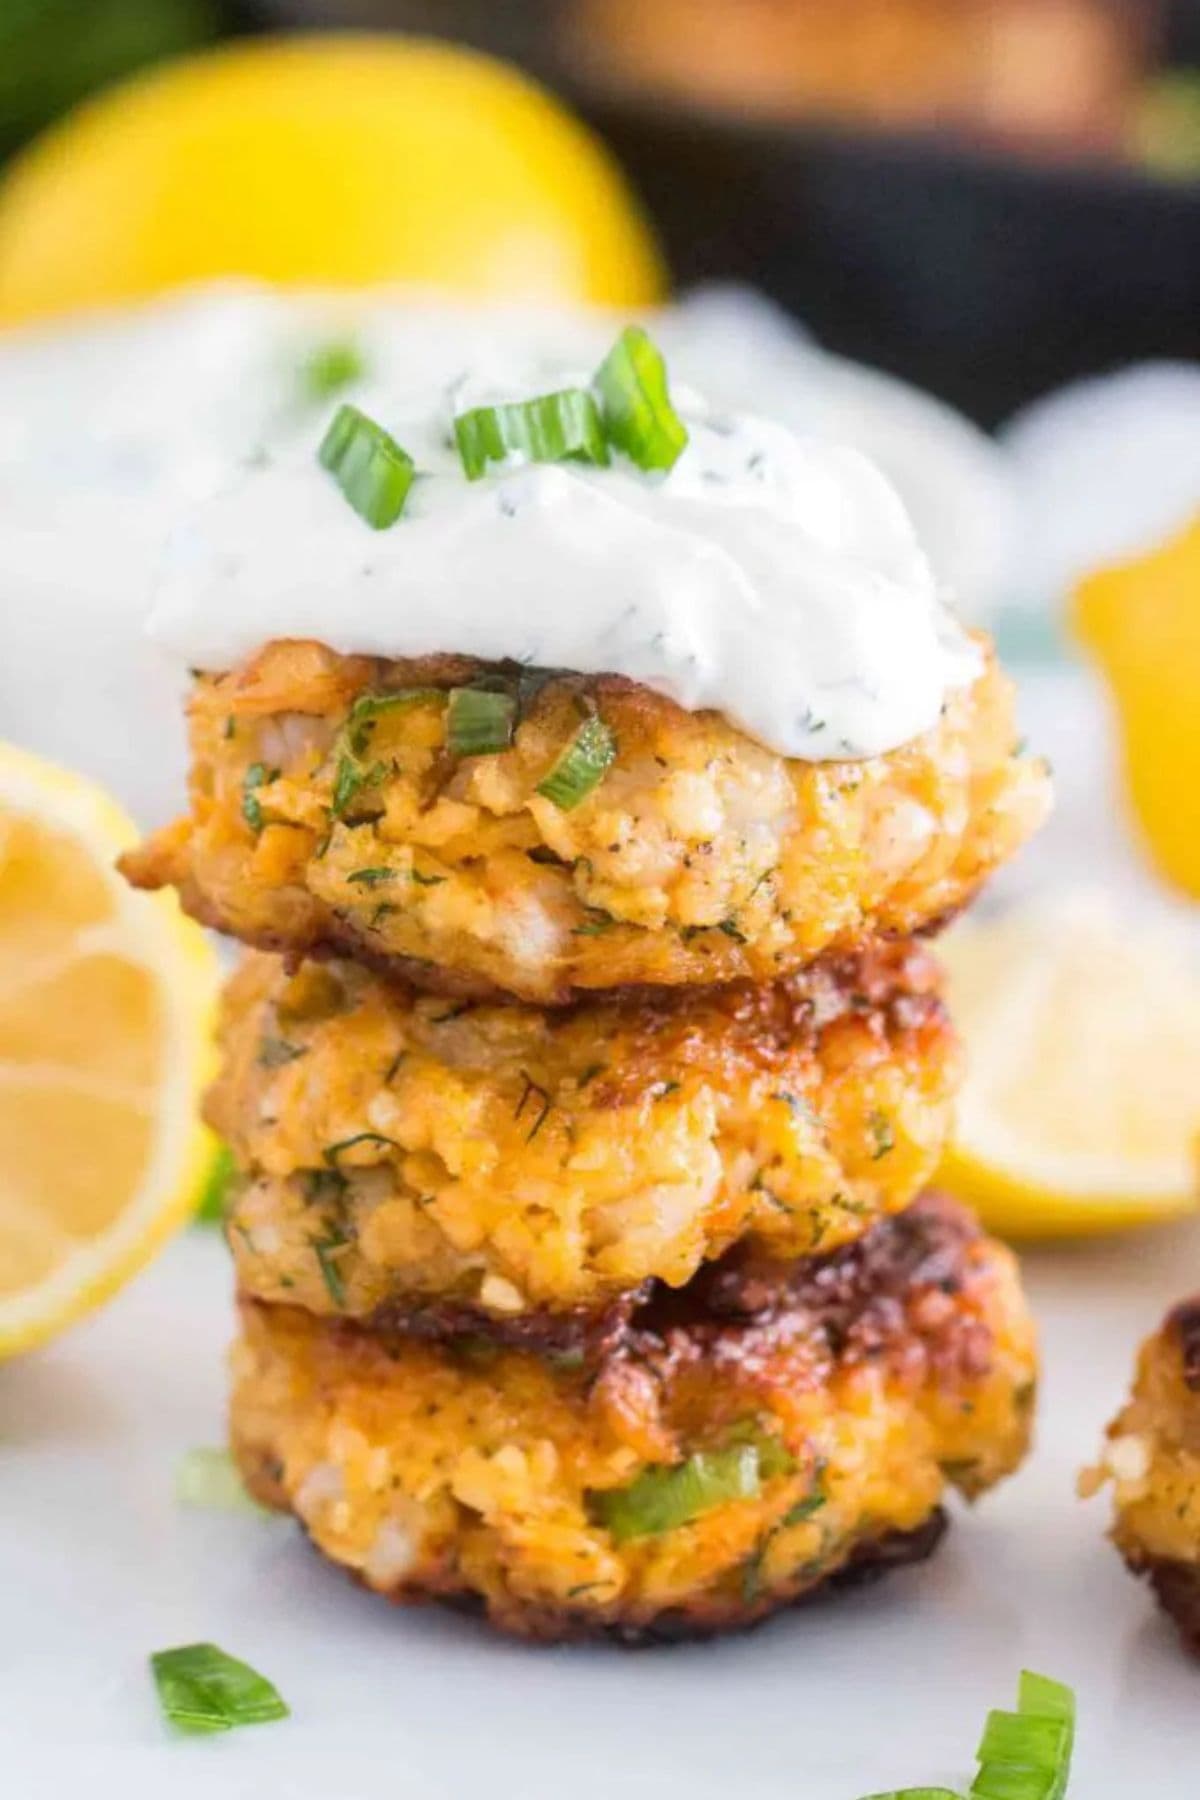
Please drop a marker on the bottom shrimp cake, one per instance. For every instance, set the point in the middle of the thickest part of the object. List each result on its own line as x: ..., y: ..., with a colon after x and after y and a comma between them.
x: 399, y: 1152
x: 1152, y: 1459
x: 767, y: 1430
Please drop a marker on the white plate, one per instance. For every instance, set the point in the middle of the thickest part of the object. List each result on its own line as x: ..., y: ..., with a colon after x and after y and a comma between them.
x: 98, y: 1567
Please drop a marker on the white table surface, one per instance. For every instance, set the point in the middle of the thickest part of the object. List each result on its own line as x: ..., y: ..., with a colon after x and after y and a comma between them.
x: 98, y: 1567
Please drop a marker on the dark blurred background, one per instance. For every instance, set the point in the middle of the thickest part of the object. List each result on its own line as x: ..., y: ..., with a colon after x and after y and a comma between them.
x: 986, y: 196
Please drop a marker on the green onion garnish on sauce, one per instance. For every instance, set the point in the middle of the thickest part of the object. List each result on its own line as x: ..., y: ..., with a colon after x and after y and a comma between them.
x: 369, y: 466
x: 639, y: 418
x: 479, y: 722
x: 561, y: 427
x: 581, y: 766
x: 661, y: 1499
x: 332, y: 366
x: 201, y: 1690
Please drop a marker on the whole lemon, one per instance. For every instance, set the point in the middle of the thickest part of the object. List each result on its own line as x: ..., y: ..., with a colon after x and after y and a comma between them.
x: 321, y: 159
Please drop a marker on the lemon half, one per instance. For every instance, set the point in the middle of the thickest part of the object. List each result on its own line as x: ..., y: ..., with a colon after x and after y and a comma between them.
x: 106, y: 1016
x: 1081, y: 1107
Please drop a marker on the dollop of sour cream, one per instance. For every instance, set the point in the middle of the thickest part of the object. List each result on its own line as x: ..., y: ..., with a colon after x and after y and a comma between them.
x: 773, y: 578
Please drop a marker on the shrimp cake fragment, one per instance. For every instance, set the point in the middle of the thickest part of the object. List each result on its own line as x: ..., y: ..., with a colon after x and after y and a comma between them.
x: 426, y: 1163
x: 330, y: 815
x: 1152, y: 1459
x: 771, y: 1429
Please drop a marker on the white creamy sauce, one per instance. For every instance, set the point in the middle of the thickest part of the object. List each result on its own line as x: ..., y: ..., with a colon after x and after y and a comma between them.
x: 114, y: 428
x: 773, y: 579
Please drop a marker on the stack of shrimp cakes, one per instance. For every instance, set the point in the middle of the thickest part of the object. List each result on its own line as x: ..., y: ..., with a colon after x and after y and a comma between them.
x: 582, y: 1094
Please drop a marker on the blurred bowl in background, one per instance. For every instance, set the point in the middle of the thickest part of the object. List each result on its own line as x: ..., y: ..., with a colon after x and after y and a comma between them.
x: 986, y: 276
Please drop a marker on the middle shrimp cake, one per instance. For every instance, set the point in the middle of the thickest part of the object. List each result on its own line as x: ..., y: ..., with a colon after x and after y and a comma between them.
x: 605, y: 836
x: 400, y: 1151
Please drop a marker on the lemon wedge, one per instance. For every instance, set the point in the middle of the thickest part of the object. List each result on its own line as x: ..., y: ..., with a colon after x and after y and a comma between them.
x: 1081, y: 1107
x: 106, y: 1010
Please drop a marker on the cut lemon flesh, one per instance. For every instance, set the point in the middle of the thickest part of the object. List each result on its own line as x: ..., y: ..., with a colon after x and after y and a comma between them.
x: 1081, y: 1107
x: 106, y: 1012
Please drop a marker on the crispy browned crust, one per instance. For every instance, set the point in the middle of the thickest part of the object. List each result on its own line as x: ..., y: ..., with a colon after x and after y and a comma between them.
x: 1183, y: 1324
x: 873, y: 1560
x: 659, y: 1087
x: 921, y: 1325
x: 887, y: 1298
x: 340, y: 943
x: 1176, y: 1586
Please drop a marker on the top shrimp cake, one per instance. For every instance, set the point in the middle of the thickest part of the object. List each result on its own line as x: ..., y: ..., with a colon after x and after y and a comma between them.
x: 683, y: 707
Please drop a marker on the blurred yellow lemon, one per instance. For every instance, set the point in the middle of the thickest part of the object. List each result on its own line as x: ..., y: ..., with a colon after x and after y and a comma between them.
x: 1141, y: 622
x: 106, y: 1003
x: 322, y: 160
x: 1081, y: 1107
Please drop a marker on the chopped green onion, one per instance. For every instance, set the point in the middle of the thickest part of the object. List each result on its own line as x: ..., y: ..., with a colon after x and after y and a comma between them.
x: 210, y: 1481
x: 561, y: 427
x: 479, y: 722
x: 325, y: 1249
x: 661, y: 1499
x: 774, y: 1457
x: 201, y: 1689
x: 369, y: 466
x: 925, y: 1793
x: 257, y: 775
x: 1026, y: 1755
x: 639, y: 418
x: 368, y: 708
x: 210, y: 1208
x: 331, y: 367
x: 371, y: 877
x: 1041, y: 1697
x: 581, y: 766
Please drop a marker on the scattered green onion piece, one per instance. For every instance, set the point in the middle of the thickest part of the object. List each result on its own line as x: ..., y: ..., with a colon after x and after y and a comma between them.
x: 639, y: 418
x: 661, y: 1499
x: 210, y: 1208
x: 581, y: 766
x: 369, y: 466
x: 332, y: 366
x: 210, y: 1481
x: 478, y: 722
x: 1026, y: 1755
x: 923, y: 1793
x: 561, y: 427
x: 201, y: 1690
